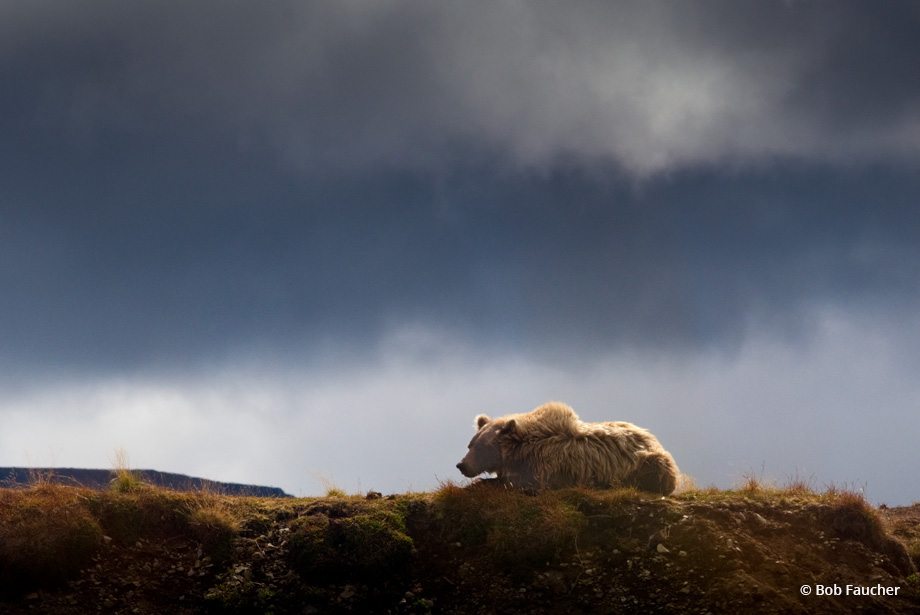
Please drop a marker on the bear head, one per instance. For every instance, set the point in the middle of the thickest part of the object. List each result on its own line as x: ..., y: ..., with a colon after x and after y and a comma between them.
x: 485, y: 450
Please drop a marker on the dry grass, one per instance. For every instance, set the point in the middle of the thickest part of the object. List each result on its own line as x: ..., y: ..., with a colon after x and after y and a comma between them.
x: 38, y: 476
x: 913, y: 550
x: 330, y: 488
x: 755, y: 487
x: 685, y: 483
x: 47, y: 533
x: 844, y: 510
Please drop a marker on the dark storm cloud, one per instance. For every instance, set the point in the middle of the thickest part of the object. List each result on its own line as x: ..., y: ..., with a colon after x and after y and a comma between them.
x: 188, y: 180
x: 647, y: 86
x: 692, y: 261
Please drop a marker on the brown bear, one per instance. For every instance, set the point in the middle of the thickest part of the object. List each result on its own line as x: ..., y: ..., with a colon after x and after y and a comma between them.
x: 550, y: 447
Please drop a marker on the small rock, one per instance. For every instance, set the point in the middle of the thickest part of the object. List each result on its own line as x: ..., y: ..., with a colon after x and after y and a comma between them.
x: 662, y: 549
x: 373, y: 495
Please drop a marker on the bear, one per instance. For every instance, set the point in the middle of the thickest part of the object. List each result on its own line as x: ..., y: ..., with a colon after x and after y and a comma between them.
x: 550, y: 448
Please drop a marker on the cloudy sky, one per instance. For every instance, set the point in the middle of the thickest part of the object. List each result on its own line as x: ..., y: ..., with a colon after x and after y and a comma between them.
x: 298, y: 244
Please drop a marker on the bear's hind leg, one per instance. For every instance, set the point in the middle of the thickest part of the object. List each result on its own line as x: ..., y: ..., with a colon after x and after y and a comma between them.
x: 655, y: 474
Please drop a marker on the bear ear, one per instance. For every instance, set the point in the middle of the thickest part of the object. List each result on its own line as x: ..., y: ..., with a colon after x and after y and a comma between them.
x: 481, y: 420
x: 509, y: 427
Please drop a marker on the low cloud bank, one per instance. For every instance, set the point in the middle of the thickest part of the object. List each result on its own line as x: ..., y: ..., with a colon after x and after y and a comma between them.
x: 841, y: 409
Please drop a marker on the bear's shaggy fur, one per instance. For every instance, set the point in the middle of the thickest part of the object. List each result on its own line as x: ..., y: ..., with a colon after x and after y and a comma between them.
x: 550, y: 447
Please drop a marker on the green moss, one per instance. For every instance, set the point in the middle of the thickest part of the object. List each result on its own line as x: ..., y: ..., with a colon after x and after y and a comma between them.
x: 236, y: 595
x: 257, y: 524
x: 371, y: 545
x: 534, y: 533
x: 913, y: 583
x: 509, y: 527
x: 127, y: 517
x: 374, y: 541
x: 308, y: 546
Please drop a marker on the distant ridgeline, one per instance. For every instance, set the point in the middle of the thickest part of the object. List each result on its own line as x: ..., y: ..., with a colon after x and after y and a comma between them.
x: 100, y: 479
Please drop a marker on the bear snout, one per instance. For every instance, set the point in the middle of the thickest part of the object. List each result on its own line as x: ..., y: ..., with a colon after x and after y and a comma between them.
x: 464, y: 469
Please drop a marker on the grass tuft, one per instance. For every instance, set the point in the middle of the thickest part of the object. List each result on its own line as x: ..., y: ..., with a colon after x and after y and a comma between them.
x: 39, y: 476
x: 330, y: 489
x: 125, y: 481
x: 853, y: 518
x: 751, y: 484
x: 799, y: 485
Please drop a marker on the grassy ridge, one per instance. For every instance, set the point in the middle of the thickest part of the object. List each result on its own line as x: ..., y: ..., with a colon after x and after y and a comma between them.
x: 459, y: 549
x: 48, y: 533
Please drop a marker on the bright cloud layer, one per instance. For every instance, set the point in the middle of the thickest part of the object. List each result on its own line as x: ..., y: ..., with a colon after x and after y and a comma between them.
x: 779, y: 412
